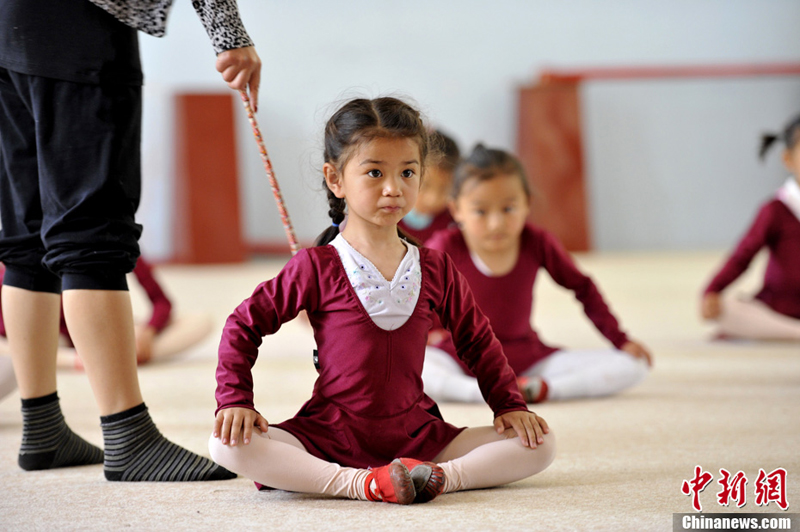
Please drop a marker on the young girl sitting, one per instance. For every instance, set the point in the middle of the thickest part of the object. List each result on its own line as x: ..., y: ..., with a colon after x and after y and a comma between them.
x: 369, y: 432
x: 430, y: 212
x: 500, y: 253
x: 774, y: 313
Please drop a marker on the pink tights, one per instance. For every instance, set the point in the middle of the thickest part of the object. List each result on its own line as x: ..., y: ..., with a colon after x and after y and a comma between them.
x: 476, y: 458
x: 753, y: 319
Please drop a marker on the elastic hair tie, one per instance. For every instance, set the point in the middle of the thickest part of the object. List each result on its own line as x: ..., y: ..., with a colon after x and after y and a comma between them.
x: 334, y: 224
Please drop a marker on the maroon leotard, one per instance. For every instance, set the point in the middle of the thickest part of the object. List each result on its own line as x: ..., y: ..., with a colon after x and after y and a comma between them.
x: 367, y: 407
x: 508, y: 299
x: 777, y: 229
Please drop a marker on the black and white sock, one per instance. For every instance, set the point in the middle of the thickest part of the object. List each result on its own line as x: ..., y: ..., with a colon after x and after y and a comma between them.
x: 47, y: 441
x: 135, y: 450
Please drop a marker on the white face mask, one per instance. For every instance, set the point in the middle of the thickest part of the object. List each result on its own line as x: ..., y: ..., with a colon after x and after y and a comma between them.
x: 416, y: 220
x: 789, y: 194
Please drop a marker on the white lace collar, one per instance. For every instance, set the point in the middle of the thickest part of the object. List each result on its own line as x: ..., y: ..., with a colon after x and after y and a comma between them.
x: 789, y: 194
x: 388, y: 303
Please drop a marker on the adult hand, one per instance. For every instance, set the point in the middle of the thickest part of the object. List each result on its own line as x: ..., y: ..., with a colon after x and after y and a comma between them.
x: 241, y: 69
x: 231, y: 423
x: 529, y: 427
x: 637, y: 350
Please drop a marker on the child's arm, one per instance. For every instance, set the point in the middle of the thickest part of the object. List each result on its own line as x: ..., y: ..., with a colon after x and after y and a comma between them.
x: 637, y: 350
x: 563, y: 270
x: 480, y: 350
x: 160, y: 316
x: 162, y: 307
x: 273, y: 303
x: 754, y: 239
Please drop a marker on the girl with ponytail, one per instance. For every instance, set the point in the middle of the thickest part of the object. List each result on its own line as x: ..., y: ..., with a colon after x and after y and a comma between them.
x: 774, y: 312
x: 369, y: 432
x: 500, y: 254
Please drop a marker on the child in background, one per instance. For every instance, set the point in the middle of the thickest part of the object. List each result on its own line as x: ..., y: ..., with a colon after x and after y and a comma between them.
x: 371, y: 298
x: 430, y: 213
x: 774, y: 313
x: 161, y: 337
x: 500, y: 253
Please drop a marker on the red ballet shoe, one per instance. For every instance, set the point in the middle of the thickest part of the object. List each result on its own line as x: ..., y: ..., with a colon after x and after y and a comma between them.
x: 428, y: 479
x: 533, y: 389
x: 393, y: 483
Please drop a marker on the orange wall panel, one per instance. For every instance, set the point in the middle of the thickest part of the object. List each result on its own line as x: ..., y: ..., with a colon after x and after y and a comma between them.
x: 550, y: 148
x: 207, y: 214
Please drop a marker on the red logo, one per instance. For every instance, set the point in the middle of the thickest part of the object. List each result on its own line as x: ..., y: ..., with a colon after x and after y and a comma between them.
x: 771, y: 488
x: 696, y: 485
x: 732, y: 489
x: 768, y: 487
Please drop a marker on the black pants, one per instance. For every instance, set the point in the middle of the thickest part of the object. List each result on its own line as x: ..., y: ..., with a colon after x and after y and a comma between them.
x: 69, y: 182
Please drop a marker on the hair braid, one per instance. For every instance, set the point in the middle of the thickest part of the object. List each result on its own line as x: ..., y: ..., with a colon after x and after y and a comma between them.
x: 362, y: 120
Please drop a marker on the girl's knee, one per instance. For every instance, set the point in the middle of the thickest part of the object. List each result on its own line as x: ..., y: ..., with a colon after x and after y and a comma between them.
x: 240, y: 457
x: 639, y: 372
x: 225, y: 455
x: 629, y: 372
x: 547, y: 450
x: 216, y: 449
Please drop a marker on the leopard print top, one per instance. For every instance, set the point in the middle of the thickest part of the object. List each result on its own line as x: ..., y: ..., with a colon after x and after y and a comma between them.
x: 219, y: 17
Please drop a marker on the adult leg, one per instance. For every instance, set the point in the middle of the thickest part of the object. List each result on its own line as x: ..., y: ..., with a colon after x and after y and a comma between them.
x: 87, y: 141
x: 583, y: 374
x: 100, y: 323
x: 445, y: 381
x: 277, y: 459
x: 31, y: 320
x: 753, y: 319
x: 31, y: 295
x: 481, y: 458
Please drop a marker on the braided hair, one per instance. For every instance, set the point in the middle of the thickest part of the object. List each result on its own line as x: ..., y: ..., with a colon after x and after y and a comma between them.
x: 361, y: 120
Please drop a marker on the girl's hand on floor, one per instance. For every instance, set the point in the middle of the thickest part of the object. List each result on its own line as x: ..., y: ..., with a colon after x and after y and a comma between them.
x: 637, y: 350
x: 529, y: 427
x: 233, y: 423
x: 710, y: 307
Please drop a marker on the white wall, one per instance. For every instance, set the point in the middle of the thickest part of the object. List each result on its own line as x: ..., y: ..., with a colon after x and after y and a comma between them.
x: 673, y: 163
x: 461, y: 60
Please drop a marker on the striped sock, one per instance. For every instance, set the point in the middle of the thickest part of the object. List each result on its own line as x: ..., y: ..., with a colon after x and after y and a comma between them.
x: 47, y: 441
x: 135, y: 450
